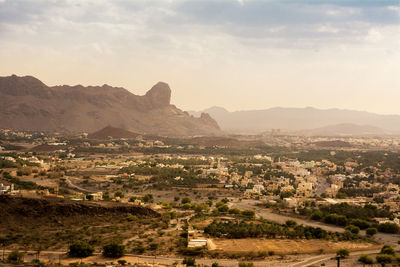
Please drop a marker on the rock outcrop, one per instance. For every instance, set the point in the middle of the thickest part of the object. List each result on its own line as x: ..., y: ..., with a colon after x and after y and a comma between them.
x: 28, y: 104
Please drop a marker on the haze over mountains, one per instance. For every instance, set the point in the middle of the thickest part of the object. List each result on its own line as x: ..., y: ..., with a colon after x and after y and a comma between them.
x: 28, y: 104
x: 305, y: 120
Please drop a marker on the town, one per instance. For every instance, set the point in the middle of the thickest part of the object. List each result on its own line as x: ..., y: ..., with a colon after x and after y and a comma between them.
x: 308, y: 196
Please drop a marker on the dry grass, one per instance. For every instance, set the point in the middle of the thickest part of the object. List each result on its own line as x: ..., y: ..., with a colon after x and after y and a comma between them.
x: 285, y: 246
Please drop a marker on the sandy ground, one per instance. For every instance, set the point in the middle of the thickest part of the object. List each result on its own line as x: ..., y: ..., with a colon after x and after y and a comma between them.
x: 285, y: 246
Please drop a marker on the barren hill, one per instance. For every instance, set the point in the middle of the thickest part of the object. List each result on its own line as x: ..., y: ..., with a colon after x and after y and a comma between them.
x: 28, y: 104
x: 110, y: 132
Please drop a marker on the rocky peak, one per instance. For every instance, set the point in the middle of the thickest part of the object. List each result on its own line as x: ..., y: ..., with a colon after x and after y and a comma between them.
x: 159, y: 95
x: 26, y: 85
x: 206, y: 118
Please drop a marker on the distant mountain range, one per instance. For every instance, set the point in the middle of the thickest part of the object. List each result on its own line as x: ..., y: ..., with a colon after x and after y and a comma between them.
x: 28, y: 104
x: 305, y: 120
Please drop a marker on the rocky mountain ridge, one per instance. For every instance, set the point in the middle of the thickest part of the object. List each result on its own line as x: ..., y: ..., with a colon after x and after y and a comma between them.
x: 26, y: 103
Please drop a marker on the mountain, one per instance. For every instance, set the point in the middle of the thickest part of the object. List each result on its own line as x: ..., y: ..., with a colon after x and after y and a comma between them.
x: 297, y: 119
x: 28, y: 104
x: 348, y: 129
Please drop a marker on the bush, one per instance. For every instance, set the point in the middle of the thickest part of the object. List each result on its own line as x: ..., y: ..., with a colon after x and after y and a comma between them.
x: 223, y: 208
x: 122, y: 262
x: 384, y: 258
x: 80, y: 249
x: 343, y: 252
x: 371, y: 231
x: 316, y: 215
x: 186, y: 200
x: 246, y: 264
x: 189, y: 261
x: 366, y: 259
x: 362, y: 224
x: 113, y: 250
x: 215, y: 264
x: 251, y: 214
x: 291, y: 223
x: 388, y: 249
x: 119, y: 194
x: 153, y: 246
x: 353, y: 229
x: 388, y: 227
x: 262, y: 254
x: 148, y: 198
x: 339, y: 220
x: 139, y: 249
x: 15, y: 257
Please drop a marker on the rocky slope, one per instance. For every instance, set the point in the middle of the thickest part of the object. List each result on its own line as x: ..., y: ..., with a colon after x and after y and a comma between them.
x: 28, y: 104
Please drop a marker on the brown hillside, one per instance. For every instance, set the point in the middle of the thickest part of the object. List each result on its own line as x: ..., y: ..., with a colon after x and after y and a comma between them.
x: 110, y: 132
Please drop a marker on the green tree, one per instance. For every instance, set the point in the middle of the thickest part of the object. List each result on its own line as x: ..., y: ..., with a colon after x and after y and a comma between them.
x: 80, y: 249
x: 113, y: 250
x: 343, y: 253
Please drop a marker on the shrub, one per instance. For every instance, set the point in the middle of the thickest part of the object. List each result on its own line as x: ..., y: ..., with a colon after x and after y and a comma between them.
x: 186, y: 200
x: 362, y: 224
x: 343, y: 252
x: 148, y: 198
x: 251, y: 214
x: 366, y: 259
x: 371, y: 231
x: 153, y: 246
x: 316, y: 215
x: 189, y: 261
x: 262, y: 254
x: 384, y: 258
x: 246, y: 264
x: 113, y: 250
x: 122, y: 262
x: 388, y: 227
x: 15, y: 257
x: 291, y: 223
x: 80, y: 249
x: 353, y: 229
x: 139, y: 249
x: 388, y: 249
x: 339, y: 220
x: 215, y: 264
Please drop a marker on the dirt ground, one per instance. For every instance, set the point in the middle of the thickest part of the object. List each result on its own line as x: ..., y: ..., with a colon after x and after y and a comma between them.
x: 285, y: 246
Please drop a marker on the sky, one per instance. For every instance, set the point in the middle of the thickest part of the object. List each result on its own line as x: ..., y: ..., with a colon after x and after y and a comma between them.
x: 238, y: 54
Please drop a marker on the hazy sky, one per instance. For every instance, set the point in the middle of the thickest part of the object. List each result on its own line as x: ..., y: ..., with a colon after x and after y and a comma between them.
x: 244, y: 54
